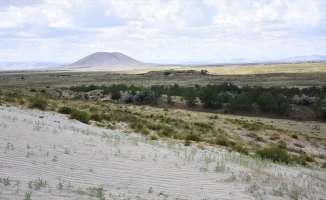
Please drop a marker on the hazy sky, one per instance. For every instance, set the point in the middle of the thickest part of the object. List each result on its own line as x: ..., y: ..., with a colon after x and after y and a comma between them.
x: 165, y: 30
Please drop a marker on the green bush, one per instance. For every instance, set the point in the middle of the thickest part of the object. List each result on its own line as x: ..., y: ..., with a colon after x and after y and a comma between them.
x: 81, y: 116
x: 274, y: 153
x: 145, y: 96
x: 32, y: 90
x: 65, y: 110
x: 37, y: 102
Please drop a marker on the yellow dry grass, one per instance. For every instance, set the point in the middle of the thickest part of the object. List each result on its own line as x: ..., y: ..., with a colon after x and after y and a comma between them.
x: 263, y: 69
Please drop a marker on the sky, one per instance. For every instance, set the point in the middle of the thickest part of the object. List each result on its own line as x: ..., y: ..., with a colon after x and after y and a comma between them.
x: 162, y: 31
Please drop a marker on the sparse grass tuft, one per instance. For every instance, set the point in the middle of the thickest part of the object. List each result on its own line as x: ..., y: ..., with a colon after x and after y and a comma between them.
x: 96, y: 192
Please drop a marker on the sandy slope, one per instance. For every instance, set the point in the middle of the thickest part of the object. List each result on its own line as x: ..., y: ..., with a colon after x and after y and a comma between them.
x: 73, y: 157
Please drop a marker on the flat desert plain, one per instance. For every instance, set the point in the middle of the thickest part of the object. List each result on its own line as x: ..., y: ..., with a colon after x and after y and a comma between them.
x: 45, y: 155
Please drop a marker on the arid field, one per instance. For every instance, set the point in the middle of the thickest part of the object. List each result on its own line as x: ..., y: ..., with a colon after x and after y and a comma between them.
x: 63, y: 144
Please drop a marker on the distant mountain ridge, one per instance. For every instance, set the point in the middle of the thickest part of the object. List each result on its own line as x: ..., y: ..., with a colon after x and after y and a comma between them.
x: 26, y: 65
x: 305, y: 58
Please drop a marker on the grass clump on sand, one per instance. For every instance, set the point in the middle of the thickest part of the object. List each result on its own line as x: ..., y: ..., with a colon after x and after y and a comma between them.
x: 275, y: 154
x: 65, y: 110
x: 80, y: 116
x: 97, y: 192
x: 193, y: 137
x: 37, y: 102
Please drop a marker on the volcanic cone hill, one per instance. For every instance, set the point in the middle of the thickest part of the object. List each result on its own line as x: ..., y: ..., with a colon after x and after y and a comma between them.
x: 102, y: 60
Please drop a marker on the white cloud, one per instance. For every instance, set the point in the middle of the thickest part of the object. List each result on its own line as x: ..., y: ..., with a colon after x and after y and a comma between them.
x: 163, y: 29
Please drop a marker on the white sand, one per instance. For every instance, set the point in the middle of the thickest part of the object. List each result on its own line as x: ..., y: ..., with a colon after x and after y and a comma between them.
x: 129, y: 166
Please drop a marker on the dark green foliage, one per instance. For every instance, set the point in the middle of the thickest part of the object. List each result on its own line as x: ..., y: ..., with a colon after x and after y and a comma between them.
x: 37, y: 102
x: 81, y: 116
x: 209, y: 98
x: 191, y: 98
x: 243, y: 102
x: 116, y: 95
x: 118, y: 88
x: 84, y: 88
x: 145, y: 96
x: 65, y: 110
x: 32, y: 90
x: 323, y: 114
x: 274, y: 153
x: 280, y: 105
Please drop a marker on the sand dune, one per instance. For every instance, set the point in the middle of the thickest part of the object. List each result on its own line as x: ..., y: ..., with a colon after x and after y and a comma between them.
x: 80, y: 161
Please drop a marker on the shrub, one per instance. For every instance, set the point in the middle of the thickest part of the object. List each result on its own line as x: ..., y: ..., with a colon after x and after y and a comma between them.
x: 116, y: 95
x: 65, y: 110
x: 32, y: 90
x: 81, y: 116
x: 37, y: 102
x: 145, y: 96
x: 274, y: 153
x: 304, y: 100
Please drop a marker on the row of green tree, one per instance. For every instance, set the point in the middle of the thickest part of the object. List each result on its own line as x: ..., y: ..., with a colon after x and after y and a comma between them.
x: 224, y: 95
